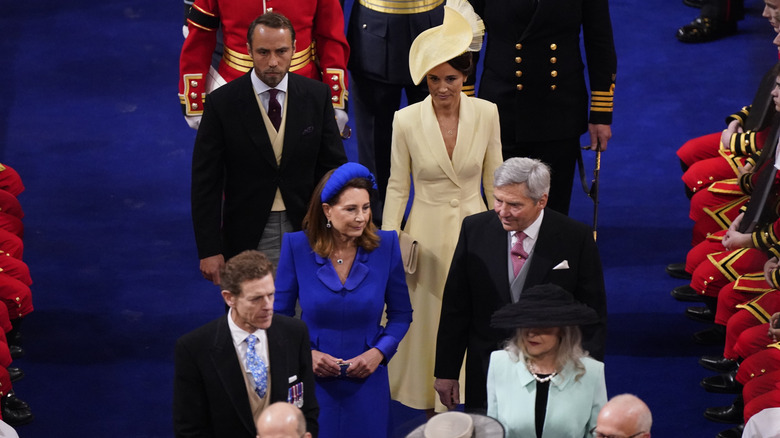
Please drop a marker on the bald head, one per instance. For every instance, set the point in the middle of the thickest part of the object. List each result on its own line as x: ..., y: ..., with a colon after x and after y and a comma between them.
x: 282, y: 420
x: 625, y: 415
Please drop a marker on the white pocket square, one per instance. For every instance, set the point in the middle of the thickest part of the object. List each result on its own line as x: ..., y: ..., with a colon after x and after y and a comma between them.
x: 562, y: 265
x: 292, y: 378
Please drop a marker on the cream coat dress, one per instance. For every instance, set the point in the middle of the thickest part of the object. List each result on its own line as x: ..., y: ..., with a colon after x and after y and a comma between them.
x: 445, y: 191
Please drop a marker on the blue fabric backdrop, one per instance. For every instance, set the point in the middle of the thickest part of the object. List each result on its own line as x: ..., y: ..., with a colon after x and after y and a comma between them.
x: 90, y: 118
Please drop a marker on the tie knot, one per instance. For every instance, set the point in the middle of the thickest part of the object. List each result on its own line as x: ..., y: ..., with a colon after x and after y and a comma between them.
x: 251, y: 340
x: 272, y: 93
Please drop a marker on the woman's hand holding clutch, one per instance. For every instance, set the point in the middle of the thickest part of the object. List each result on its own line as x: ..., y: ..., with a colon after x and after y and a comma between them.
x: 365, y: 364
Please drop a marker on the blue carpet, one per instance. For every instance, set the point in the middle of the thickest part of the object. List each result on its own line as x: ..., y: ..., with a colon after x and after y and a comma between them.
x: 91, y: 121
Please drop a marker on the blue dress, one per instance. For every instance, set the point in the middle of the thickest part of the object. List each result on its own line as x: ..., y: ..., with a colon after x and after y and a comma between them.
x: 345, y: 320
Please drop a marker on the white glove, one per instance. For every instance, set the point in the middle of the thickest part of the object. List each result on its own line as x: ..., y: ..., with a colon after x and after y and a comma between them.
x: 185, y: 31
x: 193, y: 121
x: 341, y: 119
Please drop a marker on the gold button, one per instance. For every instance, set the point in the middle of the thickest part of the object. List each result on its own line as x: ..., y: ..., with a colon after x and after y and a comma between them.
x: 518, y: 46
x: 193, y: 83
x: 335, y: 87
x: 269, y: 10
x: 335, y: 98
x: 553, y: 87
x: 553, y: 60
x: 518, y: 60
x: 519, y: 87
x: 553, y: 46
x: 454, y: 203
x: 518, y: 73
x: 194, y: 106
x: 554, y: 74
x: 193, y: 95
x: 334, y: 78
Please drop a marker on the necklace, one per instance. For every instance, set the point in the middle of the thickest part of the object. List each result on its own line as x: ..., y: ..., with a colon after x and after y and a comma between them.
x: 536, y: 374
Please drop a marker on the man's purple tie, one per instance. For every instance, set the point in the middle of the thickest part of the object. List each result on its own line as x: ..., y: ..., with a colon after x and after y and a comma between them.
x: 274, y: 109
x: 519, y: 256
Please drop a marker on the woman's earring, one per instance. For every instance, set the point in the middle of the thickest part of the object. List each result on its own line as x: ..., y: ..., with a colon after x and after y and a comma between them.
x: 328, y: 224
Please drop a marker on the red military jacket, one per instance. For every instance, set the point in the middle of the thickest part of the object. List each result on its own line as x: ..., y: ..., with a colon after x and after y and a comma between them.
x: 322, y: 49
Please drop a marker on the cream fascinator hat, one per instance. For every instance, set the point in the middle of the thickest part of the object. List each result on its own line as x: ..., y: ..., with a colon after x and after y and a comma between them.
x: 461, y: 30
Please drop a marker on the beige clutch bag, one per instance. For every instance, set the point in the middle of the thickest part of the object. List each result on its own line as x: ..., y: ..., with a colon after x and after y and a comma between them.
x: 408, y: 252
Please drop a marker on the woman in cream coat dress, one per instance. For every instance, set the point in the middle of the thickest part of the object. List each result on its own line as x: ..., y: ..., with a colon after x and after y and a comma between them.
x: 450, y: 145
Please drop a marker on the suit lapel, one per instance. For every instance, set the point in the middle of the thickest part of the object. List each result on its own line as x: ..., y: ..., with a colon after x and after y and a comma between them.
x: 252, y: 119
x: 294, y: 124
x: 434, y: 141
x: 230, y: 373
x: 545, y: 250
x: 495, y: 241
x: 466, y: 127
x: 278, y: 362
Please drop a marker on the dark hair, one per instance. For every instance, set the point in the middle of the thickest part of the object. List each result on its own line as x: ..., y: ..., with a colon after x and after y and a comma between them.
x: 463, y: 63
x: 246, y: 266
x: 321, y: 237
x: 272, y: 20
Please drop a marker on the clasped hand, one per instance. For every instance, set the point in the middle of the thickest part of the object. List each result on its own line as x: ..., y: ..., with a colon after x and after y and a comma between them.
x: 734, y: 239
x: 360, y: 367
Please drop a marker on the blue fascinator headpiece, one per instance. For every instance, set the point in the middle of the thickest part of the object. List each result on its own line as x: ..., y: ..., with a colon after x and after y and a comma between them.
x: 341, y: 176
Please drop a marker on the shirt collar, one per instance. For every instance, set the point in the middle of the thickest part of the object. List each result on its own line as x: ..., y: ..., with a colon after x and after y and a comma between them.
x: 532, y: 230
x: 261, y: 87
x: 238, y: 334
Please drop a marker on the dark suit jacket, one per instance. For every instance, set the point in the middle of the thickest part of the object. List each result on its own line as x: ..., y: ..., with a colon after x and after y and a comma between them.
x: 233, y: 157
x: 542, y: 43
x: 478, y: 285
x: 209, y: 392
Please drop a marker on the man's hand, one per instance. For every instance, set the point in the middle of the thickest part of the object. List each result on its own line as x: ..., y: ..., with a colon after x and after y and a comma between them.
x: 599, y: 136
x: 725, y: 137
x: 210, y: 267
x: 449, y: 392
x: 734, y: 239
x: 324, y: 365
x: 743, y: 170
x: 365, y: 364
x: 770, y: 266
x: 774, y: 328
x: 193, y: 121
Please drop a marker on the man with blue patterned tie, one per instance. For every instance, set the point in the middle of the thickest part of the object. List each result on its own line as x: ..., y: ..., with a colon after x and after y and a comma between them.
x: 229, y: 370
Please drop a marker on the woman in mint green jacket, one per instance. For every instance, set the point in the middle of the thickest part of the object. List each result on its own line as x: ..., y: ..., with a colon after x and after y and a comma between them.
x: 542, y: 383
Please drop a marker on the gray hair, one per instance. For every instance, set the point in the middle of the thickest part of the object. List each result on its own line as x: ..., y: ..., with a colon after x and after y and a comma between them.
x: 569, y: 349
x: 518, y: 170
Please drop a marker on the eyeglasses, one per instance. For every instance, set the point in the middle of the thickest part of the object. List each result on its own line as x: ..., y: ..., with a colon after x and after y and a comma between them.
x: 594, y: 433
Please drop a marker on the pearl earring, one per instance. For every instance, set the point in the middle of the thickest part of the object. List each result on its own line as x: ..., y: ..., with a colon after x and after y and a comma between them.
x: 328, y: 224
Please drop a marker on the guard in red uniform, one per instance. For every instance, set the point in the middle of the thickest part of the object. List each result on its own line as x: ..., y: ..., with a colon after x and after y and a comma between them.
x: 321, y: 49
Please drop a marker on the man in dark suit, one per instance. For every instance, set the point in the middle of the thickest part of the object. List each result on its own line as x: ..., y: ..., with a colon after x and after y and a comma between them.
x: 499, y: 254
x: 230, y: 369
x: 264, y: 142
x: 533, y: 72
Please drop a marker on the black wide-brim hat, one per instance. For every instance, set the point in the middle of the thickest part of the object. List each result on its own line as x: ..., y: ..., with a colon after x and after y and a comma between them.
x: 546, y: 305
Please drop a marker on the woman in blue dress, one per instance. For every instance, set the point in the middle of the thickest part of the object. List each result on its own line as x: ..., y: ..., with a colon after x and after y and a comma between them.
x: 345, y: 273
